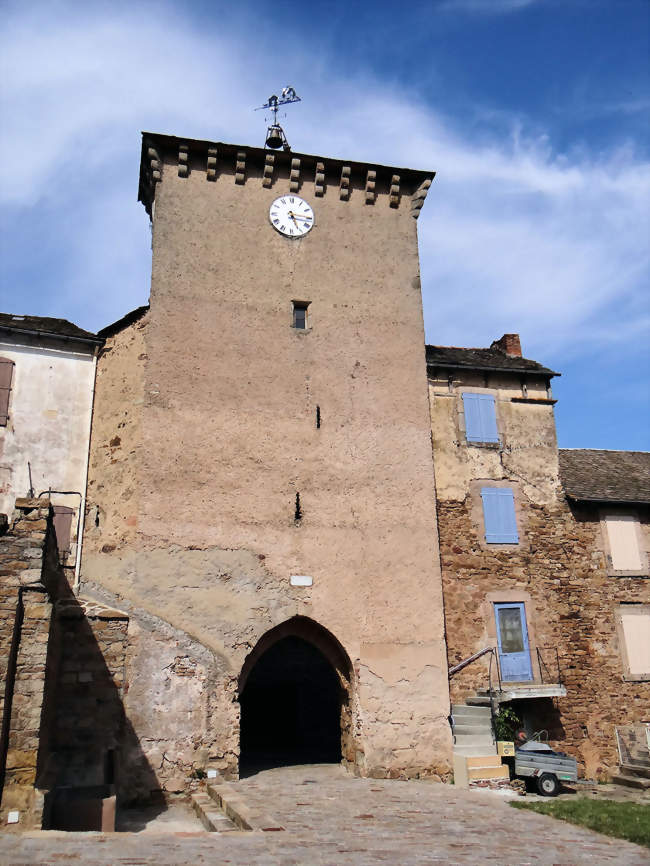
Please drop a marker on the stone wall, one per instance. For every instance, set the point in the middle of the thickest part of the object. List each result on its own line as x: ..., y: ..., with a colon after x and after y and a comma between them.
x: 571, y: 606
x: 558, y: 570
x: 27, y: 572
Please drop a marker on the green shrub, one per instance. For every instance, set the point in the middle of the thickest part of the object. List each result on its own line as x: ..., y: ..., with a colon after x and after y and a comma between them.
x: 506, y: 722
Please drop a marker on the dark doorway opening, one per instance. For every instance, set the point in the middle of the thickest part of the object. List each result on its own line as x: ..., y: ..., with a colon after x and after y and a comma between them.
x: 290, y: 708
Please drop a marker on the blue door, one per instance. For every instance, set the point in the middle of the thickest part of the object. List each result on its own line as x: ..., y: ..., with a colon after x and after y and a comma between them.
x: 512, y: 635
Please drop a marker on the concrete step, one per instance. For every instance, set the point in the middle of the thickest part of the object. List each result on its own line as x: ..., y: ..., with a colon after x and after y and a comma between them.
x: 634, y: 769
x: 484, y: 761
x: 639, y: 756
x: 460, y: 749
x: 472, y: 729
x: 631, y: 781
x: 484, y: 739
x: 478, y: 701
x: 465, y: 710
x: 501, y: 772
x: 212, y: 818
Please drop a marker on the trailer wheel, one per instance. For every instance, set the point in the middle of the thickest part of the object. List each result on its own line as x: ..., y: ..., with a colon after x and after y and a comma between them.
x: 548, y: 785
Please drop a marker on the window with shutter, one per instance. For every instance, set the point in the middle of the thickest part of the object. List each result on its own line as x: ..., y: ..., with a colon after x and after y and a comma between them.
x: 635, y: 628
x: 480, y: 418
x: 6, y: 374
x: 63, y: 527
x: 623, y: 542
x: 499, y: 515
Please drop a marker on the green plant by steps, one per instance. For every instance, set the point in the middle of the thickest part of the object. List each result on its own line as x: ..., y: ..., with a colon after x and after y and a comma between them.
x: 506, y: 723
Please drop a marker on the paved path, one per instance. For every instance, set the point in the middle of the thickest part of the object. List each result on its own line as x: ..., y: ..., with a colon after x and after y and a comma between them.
x: 331, y: 819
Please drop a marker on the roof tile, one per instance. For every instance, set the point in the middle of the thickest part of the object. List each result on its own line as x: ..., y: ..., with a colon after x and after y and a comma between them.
x: 452, y: 357
x: 605, y: 476
x: 45, y: 325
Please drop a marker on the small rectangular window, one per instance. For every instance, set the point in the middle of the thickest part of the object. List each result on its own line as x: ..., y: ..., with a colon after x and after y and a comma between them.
x: 300, y: 314
x: 499, y: 515
x: 480, y: 418
x: 6, y: 373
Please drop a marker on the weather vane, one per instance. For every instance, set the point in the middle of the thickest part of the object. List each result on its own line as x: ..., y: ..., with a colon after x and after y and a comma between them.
x: 275, y: 137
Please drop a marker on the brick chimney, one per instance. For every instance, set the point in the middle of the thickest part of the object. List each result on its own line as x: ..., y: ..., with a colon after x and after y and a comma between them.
x: 508, y: 344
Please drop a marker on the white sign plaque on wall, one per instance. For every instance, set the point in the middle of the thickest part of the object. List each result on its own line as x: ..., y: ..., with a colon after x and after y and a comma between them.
x: 301, y: 580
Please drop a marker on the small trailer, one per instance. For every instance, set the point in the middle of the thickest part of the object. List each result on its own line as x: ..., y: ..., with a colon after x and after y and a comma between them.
x: 537, y: 761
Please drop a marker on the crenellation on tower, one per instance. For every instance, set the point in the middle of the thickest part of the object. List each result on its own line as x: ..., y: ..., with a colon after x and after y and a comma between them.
x: 246, y: 164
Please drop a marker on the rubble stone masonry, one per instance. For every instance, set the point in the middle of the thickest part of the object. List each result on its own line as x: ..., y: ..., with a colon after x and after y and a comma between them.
x: 558, y: 569
x: 571, y: 605
x: 24, y: 635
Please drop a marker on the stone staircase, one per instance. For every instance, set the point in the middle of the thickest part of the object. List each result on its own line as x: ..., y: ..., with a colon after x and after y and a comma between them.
x: 476, y: 763
x: 210, y: 814
x: 221, y: 808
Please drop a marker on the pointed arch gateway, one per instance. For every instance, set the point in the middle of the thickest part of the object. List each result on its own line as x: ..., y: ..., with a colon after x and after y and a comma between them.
x: 295, y: 693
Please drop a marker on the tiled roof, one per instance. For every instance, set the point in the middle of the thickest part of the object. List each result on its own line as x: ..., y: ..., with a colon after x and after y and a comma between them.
x: 451, y: 357
x: 605, y: 476
x: 124, y: 322
x: 45, y: 325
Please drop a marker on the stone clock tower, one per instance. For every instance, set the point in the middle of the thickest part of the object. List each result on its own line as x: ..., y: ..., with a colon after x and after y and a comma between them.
x: 267, y: 516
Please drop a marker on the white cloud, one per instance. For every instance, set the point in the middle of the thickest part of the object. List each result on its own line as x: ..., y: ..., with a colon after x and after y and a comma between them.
x: 514, y: 236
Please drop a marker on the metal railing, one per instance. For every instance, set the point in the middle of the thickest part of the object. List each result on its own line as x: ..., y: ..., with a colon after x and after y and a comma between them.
x: 633, y: 743
x: 544, y: 665
x: 548, y: 664
x: 468, y: 661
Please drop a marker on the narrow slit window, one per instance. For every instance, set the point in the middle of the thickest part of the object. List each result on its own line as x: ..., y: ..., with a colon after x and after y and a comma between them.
x: 300, y: 315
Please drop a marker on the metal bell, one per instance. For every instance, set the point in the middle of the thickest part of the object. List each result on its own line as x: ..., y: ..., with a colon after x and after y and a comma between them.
x: 274, y: 137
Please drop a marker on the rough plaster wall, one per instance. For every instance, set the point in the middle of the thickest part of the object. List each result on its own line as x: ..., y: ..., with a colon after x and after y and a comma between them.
x: 391, y: 677
x: 114, y: 482
x: 227, y: 436
x: 49, y: 420
x: 180, y: 702
x: 528, y: 452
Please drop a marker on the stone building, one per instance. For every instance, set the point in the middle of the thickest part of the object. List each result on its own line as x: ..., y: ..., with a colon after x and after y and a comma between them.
x: 544, y: 555
x: 47, y: 373
x: 261, y: 578
x: 261, y: 493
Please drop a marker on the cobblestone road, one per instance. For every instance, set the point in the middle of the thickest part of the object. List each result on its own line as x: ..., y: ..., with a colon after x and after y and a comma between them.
x: 331, y: 818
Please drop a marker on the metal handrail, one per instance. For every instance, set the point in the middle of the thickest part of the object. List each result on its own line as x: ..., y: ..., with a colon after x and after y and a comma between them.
x: 467, y: 661
x: 543, y: 666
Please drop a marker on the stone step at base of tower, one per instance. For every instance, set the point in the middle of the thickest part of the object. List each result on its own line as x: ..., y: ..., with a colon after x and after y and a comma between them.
x: 210, y: 815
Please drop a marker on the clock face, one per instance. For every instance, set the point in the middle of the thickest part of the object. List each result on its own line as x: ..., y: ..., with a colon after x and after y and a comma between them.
x: 291, y: 216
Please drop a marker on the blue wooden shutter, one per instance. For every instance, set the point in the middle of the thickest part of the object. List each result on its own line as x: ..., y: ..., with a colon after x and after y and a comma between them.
x: 499, y: 515
x: 480, y: 418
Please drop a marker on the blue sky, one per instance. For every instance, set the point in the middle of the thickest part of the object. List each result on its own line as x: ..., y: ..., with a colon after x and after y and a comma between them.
x: 534, y: 113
